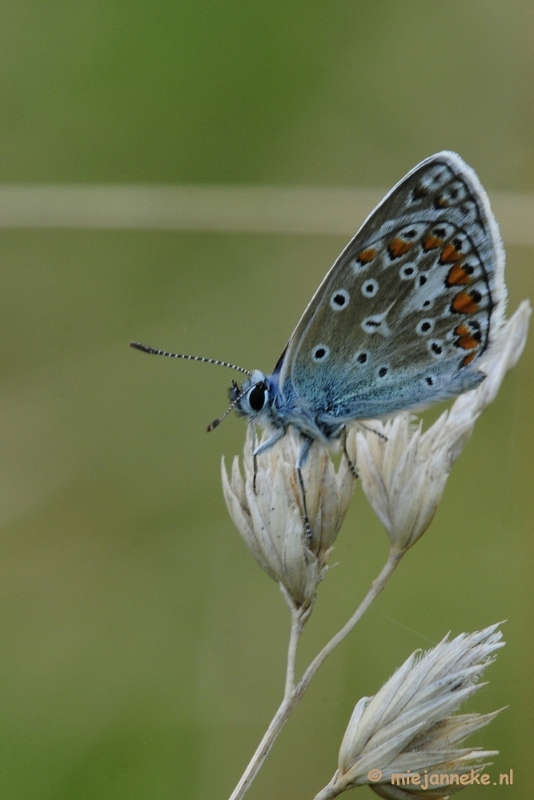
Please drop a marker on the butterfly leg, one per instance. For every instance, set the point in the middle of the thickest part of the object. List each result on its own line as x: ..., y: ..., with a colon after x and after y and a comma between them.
x: 254, y: 457
x: 256, y: 451
x: 372, y: 430
x: 352, y: 466
x: 303, y: 455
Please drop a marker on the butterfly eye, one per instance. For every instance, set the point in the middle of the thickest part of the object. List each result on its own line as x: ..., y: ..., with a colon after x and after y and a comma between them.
x: 256, y: 396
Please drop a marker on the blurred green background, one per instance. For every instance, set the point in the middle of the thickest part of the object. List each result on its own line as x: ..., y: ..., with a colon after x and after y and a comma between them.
x: 142, y: 649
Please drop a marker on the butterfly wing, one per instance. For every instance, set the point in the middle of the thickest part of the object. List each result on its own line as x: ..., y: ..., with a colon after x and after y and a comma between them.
x: 410, y: 305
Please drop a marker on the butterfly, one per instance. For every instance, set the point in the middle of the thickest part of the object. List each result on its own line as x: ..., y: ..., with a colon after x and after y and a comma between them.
x: 401, y: 320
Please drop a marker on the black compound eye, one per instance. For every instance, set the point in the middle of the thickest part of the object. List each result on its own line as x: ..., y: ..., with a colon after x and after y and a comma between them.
x: 256, y: 396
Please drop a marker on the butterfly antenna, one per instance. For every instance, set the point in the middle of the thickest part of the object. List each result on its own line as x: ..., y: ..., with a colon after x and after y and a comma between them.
x: 232, y: 405
x: 145, y: 348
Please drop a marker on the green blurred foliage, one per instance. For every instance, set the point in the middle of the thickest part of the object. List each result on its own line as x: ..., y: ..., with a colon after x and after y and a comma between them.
x: 142, y: 648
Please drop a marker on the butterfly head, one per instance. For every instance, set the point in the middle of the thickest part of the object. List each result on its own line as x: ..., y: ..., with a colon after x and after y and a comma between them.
x: 254, y: 398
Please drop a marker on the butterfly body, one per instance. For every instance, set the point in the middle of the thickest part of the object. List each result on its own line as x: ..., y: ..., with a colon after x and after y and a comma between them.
x: 401, y: 320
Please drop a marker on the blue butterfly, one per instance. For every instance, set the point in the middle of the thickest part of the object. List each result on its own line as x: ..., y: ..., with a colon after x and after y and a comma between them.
x: 400, y: 320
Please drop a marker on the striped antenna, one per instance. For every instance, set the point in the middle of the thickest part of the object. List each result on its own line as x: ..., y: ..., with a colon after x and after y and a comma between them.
x: 145, y: 348
x: 232, y: 405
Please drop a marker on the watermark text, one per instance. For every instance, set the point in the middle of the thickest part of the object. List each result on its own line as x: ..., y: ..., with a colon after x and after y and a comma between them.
x: 428, y: 780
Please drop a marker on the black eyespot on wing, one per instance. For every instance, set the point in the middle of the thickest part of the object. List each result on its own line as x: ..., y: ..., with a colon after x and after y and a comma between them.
x: 424, y: 326
x: 339, y: 299
x: 382, y: 372
x: 320, y: 353
x: 438, y: 349
x: 371, y: 323
x: 408, y: 271
x: 361, y: 358
x: 370, y: 288
x: 476, y: 331
x: 429, y: 380
x: 418, y: 193
x: 422, y: 280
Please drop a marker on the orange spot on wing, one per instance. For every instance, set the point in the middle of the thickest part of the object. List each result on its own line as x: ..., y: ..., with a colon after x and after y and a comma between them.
x: 397, y: 247
x: 458, y: 276
x: 467, y: 342
x: 366, y: 255
x: 464, y: 303
x: 450, y: 254
x: 467, y: 360
x: 440, y: 202
x: 430, y: 242
x: 462, y: 330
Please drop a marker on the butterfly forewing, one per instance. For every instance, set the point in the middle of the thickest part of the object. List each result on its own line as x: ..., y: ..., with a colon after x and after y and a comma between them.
x: 408, y: 306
